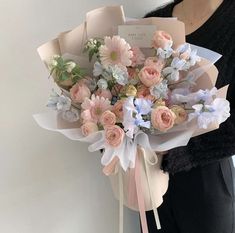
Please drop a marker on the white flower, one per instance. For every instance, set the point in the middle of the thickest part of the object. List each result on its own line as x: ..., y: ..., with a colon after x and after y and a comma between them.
x: 165, y: 53
x: 102, y: 84
x: 193, y: 58
x: 160, y: 90
x: 53, y: 61
x: 216, y: 113
x: 64, y: 103
x: 70, y: 66
x: 143, y: 106
x: 204, y: 96
x: 177, y: 93
x: 71, y: 115
x: 98, y: 69
x: 184, y: 48
x: 172, y: 72
x: 56, y: 56
x: 132, y: 115
x: 128, y: 120
x: 185, y: 52
x: 59, y: 103
x: 120, y: 75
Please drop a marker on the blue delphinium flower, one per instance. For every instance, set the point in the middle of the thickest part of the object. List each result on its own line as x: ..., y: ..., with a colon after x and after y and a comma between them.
x: 172, y: 72
x: 133, y: 115
x: 59, y: 102
x: 160, y: 90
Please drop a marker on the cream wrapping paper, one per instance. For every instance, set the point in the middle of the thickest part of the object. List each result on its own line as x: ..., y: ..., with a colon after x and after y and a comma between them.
x: 104, y: 22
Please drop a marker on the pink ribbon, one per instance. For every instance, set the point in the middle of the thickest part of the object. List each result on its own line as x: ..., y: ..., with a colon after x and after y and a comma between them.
x: 140, y: 196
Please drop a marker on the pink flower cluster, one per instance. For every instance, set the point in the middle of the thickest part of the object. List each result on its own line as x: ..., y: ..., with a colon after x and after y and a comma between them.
x: 123, y: 72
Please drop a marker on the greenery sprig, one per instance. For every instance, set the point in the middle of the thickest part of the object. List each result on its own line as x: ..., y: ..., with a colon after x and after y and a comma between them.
x: 65, y: 69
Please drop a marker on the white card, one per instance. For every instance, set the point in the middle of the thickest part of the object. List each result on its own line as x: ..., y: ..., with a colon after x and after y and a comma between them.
x: 138, y: 35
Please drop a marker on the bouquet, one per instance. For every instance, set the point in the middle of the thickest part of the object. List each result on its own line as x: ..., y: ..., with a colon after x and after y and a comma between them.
x: 131, y: 89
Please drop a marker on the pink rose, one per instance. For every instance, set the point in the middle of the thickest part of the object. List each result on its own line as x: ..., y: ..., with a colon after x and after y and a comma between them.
x: 79, y: 92
x: 138, y: 57
x: 162, y: 40
x: 118, y: 109
x: 89, y: 128
x: 108, y: 118
x: 162, y: 118
x: 156, y: 62
x: 104, y: 93
x: 150, y: 76
x: 114, y: 135
x: 144, y: 92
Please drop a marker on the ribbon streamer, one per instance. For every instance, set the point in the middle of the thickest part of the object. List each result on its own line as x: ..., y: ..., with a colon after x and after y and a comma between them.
x: 140, y: 196
x: 121, y: 212
x: 156, y: 216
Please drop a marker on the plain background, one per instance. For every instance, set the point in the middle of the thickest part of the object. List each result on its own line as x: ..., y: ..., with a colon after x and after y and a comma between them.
x: 48, y: 184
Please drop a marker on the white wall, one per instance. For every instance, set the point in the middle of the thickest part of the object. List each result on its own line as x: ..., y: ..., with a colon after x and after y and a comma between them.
x: 48, y: 184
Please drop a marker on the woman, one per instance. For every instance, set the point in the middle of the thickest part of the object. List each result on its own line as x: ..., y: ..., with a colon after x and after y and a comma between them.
x: 200, y: 198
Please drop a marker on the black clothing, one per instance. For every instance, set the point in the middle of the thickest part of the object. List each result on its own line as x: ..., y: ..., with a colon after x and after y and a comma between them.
x: 217, y: 34
x: 198, y: 201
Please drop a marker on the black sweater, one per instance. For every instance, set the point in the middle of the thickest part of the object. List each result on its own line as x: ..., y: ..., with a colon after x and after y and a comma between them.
x: 217, y: 34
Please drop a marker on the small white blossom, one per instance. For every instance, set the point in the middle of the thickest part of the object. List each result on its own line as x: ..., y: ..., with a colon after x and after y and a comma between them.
x: 98, y: 69
x: 56, y: 56
x: 60, y: 103
x: 172, y: 72
x: 70, y: 66
x: 102, y: 84
x: 193, y: 59
x: 184, y: 48
x: 165, y: 53
x: 216, y: 113
x: 160, y: 90
x: 120, y: 75
x: 132, y: 115
x: 204, y: 96
x: 71, y: 115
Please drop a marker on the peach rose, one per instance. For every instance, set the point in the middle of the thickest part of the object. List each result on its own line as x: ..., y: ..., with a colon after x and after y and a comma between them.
x: 150, y: 76
x: 79, y: 92
x: 144, y: 92
x: 181, y: 114
x: 156, y: 62
x: 108, y: 118
x: 114, y: 135
x: 162, y: 40
x: 118, y: 109
x: 162, y: 118
x: 104, y: 93
x: 89, y: 128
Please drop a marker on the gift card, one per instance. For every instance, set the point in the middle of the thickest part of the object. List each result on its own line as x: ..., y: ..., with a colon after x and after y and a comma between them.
x: 137, y: 35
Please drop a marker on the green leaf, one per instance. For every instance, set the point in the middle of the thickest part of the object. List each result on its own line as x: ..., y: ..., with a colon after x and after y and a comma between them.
x: 63, y: 77
x: 91, y: 54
